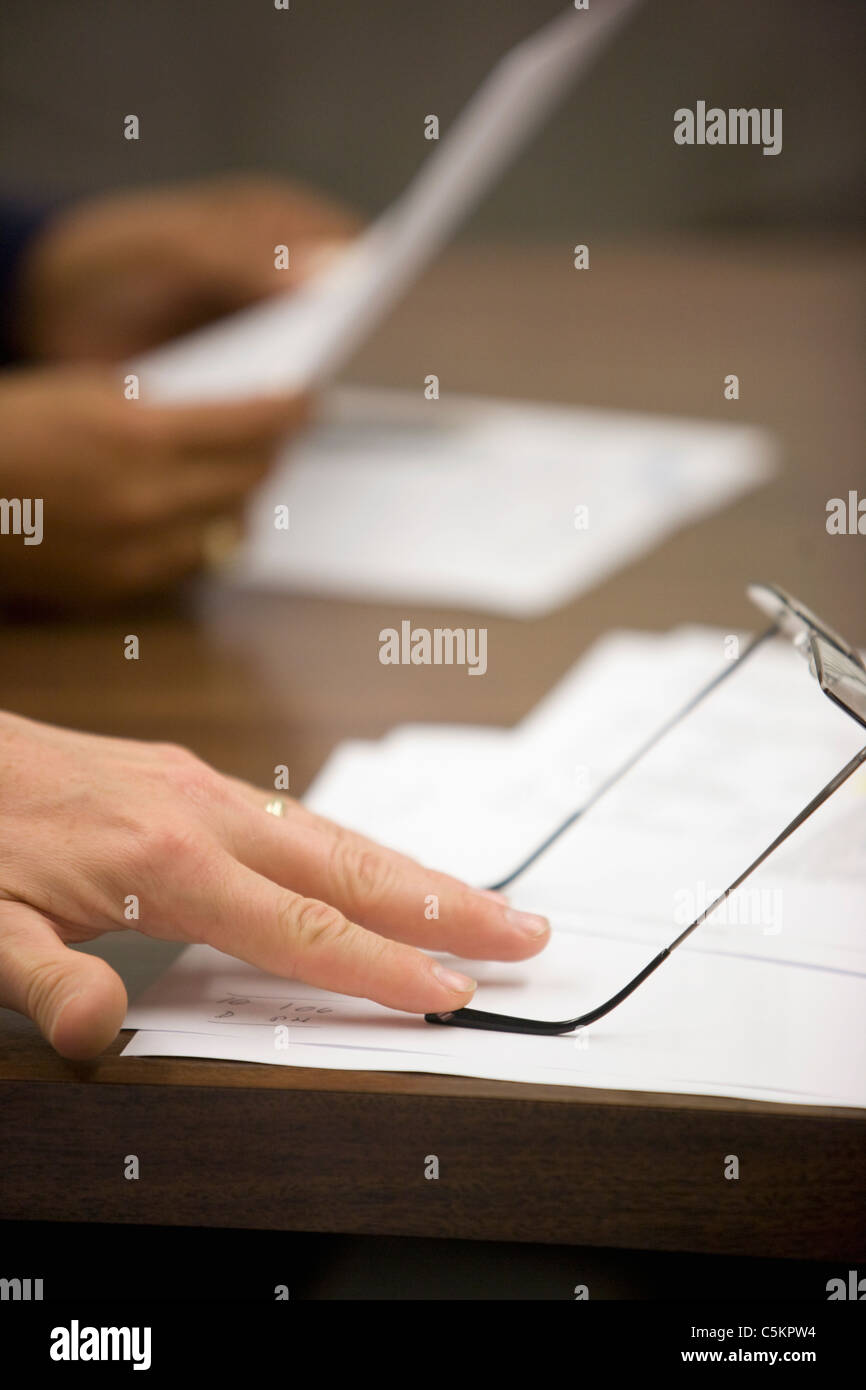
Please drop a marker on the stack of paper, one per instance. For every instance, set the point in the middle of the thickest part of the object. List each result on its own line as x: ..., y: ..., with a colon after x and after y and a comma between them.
x: 765, y: 1000
x: 507, y: 507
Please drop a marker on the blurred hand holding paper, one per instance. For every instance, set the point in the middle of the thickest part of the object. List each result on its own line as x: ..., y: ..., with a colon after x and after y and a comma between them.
x: 465, y: 501
x: 765, y: 1001
x: 296, y: 342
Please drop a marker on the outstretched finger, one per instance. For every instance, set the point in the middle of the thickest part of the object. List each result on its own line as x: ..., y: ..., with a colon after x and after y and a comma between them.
x: 384, y: 890
x: 301, y: 938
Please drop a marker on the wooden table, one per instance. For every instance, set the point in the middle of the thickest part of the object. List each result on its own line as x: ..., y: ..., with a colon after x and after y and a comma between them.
x: 248, y: 682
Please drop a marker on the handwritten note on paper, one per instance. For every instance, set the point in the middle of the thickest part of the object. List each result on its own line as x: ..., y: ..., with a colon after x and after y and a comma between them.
x: 268, y: 1009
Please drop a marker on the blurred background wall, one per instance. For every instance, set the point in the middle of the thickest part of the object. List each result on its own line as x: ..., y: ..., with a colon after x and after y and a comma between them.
x: 336, y: 91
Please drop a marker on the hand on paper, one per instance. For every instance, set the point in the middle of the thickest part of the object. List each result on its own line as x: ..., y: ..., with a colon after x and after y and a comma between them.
x: 103, y: 835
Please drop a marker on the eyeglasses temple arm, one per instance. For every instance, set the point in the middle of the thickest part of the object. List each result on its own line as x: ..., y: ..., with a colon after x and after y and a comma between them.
x: 507, y: 1023
x: 833, y: 785
x: 635, y: 757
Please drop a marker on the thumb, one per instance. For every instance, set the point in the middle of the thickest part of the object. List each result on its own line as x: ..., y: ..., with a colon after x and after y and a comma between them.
x: 77, y: 1001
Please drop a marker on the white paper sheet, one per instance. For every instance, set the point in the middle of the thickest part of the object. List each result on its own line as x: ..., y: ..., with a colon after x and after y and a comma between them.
x: 765, y: 1003
x: 702, y: 1024
x: 296, y: 341
x: 472, y: 502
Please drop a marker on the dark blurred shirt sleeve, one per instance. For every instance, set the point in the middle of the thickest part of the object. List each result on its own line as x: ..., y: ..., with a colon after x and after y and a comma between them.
x: 19, y: 224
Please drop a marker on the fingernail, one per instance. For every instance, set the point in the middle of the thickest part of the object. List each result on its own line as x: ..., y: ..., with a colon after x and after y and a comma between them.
x: 451, y: 979
x: 527, y: 923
